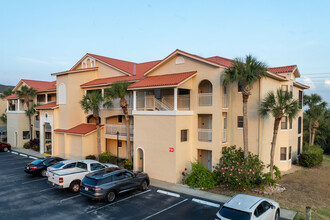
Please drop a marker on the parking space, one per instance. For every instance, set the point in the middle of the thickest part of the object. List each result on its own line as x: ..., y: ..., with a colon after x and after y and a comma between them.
x: 24, y: 196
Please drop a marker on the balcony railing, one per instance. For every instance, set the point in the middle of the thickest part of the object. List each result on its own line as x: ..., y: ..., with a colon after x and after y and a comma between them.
x: 166, y: 103
x: 115, y: 104
x: 224, y: 136
x: 17, y: 105
x: 224, y: 101
x: 204, y: 99
x: 37, y: 124
x: 204, y: 134
x: 112, y: 130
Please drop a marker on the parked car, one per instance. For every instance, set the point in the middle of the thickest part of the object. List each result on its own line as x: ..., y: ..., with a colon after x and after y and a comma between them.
x: 72, y: 177
x: 39, y: 167
x: 246, y: 207
x: 64, y: 164
x: 4, y: 147
x: 108, y: 183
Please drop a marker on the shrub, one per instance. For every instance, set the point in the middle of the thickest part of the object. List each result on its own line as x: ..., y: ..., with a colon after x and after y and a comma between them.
x: 237, y: 172
x: 26, y: 145
x: 200, y: 177
x: 106, y: 157
x: 128, y: 165
x: 267, y: 180
x: 91, y: 157
x: 311, y: 157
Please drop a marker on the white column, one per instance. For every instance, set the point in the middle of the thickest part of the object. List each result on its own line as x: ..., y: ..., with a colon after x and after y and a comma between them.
x: 134, y: 100
x: 175, y: 99
x: 102, y: 93
x: 7, y: 105
x: 46, y: 98
x: 18, y: 104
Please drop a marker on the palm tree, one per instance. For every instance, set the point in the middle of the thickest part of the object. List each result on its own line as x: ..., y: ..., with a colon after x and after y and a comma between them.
x: 279, y: 105
x: 246, y: 72
x: 92, y: 103
x: 119, y: 90
x: 27, y: 94
x: 5, y: 93
x: 315, y: 113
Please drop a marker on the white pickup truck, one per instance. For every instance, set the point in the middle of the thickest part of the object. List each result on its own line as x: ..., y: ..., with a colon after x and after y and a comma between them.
x: 72, y: 177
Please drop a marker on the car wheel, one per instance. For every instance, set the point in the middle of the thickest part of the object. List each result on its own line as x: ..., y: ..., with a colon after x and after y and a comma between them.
x: 43, y: 172
x: 110, y: 197
x: 277, y: 215
x: 144, y: 186
x: 5, y: 149
x: 75, y: 186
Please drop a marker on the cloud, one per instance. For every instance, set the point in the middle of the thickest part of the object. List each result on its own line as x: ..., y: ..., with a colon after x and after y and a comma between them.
x: 309, y: 82
x: 327, y: 83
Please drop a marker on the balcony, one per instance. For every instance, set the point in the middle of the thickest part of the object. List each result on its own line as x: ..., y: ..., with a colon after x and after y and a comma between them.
x: 204, y: 127
x: 205, y: 99
x: 204, y: 134
x: 16, y: 106
x: 112, y: 130
x: 36, y: 124
x: 224, y: 136
x: 115, y: 105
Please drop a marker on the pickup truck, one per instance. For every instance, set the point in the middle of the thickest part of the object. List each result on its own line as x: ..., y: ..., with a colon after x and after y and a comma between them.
x: 72, y: 177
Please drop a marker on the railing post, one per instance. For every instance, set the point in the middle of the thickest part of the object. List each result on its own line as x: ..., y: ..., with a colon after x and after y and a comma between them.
x: 7, y: 105
x: 175, y: 99
x: 46, y: 98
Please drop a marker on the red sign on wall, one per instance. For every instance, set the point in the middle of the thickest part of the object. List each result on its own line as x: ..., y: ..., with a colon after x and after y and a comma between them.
x: 171, y: 149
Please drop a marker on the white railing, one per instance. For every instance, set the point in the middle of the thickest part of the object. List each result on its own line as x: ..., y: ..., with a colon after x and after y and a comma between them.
x: 150, y: 103
x: 224, y: 136
x: 204, y: 134
x: 204, y: 99
x: 184, y: 102
x: 224, y: 101
x: 115, y: 104
x: 112, y: 130
x: 37, y: 124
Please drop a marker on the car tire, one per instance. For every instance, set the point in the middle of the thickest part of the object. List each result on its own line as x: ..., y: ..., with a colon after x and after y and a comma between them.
x: 5, y: 149
x: 277, y: 215
x: 144, y: 185
x: 75, y: 186
x: 43, y: 172
x: 111, y: 196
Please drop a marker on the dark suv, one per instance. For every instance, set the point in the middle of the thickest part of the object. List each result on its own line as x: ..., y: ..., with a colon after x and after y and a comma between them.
x: 108, y: 183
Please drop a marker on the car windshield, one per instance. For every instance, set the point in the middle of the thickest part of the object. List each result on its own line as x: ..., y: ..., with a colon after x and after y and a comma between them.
x: 36, y: 162
x: 234, y: 214
x: 58, y: 165
x: 89, y: 181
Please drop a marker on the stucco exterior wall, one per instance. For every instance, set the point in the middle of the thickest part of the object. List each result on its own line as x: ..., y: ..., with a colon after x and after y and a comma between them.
x: 18, y: 123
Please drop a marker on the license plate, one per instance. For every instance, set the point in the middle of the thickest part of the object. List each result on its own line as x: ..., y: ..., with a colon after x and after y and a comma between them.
x: 53, y: 184
x: 86, y: 188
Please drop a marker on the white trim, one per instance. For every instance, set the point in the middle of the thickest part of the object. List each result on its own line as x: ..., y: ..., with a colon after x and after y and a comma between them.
x: 206, y: 203
x: 162, y: 112
x: 153, y: 87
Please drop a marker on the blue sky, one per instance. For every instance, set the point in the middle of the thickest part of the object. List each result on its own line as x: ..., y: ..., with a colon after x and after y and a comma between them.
x: 38, y: 38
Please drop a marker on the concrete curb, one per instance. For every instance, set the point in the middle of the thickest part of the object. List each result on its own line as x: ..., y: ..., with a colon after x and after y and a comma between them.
x: 179, y: 188
x: 25, y: 154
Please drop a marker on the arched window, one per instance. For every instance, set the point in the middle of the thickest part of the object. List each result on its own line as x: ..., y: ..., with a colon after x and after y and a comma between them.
x: 179, y: 60
x: 61, y: 94
x: 205, y: 93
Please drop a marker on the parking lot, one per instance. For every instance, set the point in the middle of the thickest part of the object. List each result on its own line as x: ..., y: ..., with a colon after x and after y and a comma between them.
x: 24, y: 196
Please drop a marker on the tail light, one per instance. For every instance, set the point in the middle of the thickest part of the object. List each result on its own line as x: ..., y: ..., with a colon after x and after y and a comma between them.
x: 33, y: 168
x: 60, y: 180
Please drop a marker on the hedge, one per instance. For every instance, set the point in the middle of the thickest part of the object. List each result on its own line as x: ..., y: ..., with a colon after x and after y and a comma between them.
x: 311, y: 157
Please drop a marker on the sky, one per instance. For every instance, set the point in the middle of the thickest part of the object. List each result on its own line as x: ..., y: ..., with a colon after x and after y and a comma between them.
x: 38, y: 38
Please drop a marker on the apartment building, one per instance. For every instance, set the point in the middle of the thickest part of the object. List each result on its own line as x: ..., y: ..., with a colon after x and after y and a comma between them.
x: 180, y: 111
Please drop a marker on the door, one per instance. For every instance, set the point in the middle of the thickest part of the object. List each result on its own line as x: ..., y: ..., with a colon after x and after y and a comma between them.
x: 205, y: 158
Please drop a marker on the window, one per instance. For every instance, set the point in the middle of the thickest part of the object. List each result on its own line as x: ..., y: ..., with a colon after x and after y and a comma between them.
x: 261, y: 208
x: 239, y: 121
x: 26, y: 135
x: 120, y: 143
x: 240, y: 85
x: 118, y: 176
x: 299, y: 144
x: 179, y: 60
x: 70, y: 165
x: 128, y: 174
x: 299, y: 125
x: 283, y: 153
x: 290, y: 149
x: 284, y: 124
x: 96, y: 166
x: 300, y: 99
x: 291, y: 89
x: 120, y: 118
x: 184, y: 135
x: 82, y: 165
x: 290, y: 123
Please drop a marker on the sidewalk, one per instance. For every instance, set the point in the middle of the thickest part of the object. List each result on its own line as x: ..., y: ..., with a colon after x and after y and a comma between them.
x: 28, y: 152
x: 179, y: 188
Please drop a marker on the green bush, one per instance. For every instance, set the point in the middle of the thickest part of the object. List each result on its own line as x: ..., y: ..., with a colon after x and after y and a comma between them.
x: 200, y: 177
x: 26, y: 145
x: 312, y: 156
x: 237, y: 172
x: 128, y: 165
x: 91, y: 157
x: 106, y: 157
x: 267, y: 180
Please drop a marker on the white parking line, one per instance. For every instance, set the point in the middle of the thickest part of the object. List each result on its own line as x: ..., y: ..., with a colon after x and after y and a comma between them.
x: 165, y: 209
x: 44, y: 190
x: 206, y: 203
x: 13, y: 152
x: 168, y: 193
x: 94, y: 210
x: 70, y: 198
x: 32, y: 181
x: 33, y: 157
x: 23, y: 155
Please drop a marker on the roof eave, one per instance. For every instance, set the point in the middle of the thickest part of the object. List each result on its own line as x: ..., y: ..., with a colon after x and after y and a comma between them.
x: 105, y: 84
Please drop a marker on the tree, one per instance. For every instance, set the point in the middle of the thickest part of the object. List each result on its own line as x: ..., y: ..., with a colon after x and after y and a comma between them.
x: 30, y: 112
x: 119, y: 90
x: 280, y: 105
x: 315, y: 113
x: 3, y: 117
x: 92, y: 103
x: 246, y: 72
x: 5, y: 93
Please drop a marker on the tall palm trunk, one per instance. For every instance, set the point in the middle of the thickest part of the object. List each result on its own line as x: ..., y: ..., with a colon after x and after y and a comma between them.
x: 315, y: 125
x: 245, y: 94
x: 123, y: 104
x: 272, y: 150
x: 30, y: 125
x: 98, y: 134
x: 310, y: 132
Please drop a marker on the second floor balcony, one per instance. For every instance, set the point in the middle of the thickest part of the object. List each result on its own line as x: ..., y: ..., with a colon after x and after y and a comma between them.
x: 112, y: 129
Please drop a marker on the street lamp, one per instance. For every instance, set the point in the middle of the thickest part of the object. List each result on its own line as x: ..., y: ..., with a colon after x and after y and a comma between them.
x: 117, y: 145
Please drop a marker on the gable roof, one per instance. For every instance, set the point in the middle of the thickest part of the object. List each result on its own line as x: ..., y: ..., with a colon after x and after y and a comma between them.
x: 81, y: 129
x: 282, y: 69
x: 51, y: 86
x: 174, y: 79
x: 35, y: 84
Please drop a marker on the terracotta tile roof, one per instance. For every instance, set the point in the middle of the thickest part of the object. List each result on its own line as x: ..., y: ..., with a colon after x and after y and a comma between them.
x: 81, y: 129
x: 12, y: 96
x: 51, y: 105
x: 35, y: 84
x: 163, y: 80
x: 222, y: 61
x: 282, y: 69
x: 48, y: 87
x: 301, y: 85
